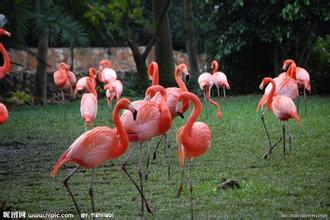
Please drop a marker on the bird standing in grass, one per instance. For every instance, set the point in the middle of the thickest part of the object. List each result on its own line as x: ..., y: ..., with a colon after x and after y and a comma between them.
x: 3, y: 72
x: 64, y: 78
x: 82, y: 82
x: 94, y: 147
x: 193, y: 139
x: 205, y: 81
x: 107, y: 73
x: 219, y: 78
x: 154, y: 119
x: 88, y: 105
x: 283, y: 108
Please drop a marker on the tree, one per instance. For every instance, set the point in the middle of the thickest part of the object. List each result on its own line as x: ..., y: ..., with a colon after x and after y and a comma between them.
x: 190, y: 38
x: 45, y: 23
x: 127, y: 22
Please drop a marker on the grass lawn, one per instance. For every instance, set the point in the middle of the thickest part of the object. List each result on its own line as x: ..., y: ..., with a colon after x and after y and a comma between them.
x: 34, y: 138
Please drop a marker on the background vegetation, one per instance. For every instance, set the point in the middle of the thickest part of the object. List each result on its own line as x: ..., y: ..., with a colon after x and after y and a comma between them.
x: 249, y: 38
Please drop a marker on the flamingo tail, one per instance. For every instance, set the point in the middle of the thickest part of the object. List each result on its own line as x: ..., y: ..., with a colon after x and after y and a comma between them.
x: 262, y: 101
x: 296, y: 117
x: 58, y: 164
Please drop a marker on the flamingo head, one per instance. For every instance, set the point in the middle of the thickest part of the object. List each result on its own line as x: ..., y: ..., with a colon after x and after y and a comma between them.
x: 4, y: 32
x: 63, y: 66
x: 214, y: 66
x: 265, y: 82
x: 92, y: 72
x: 124, y: 103
x: 286, y: 64
x: 179, y: 109
x: 153, y: 90
x: 104, y: 64
x: 152, y: 68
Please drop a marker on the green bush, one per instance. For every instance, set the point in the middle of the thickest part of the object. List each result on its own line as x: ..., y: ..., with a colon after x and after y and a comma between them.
x: 21, y: 98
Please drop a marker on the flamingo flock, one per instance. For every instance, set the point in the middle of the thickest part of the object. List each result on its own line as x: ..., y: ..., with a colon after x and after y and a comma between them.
x: 144, y: 119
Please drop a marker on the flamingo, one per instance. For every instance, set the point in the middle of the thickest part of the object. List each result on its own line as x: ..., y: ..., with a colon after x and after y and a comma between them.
x: 114, y: 89
x: 193, y: 139
x: 283, y: 108
x: 107, y: 74
x: 88, y: 105
x: 64, y: 78
x: 286, y: 84
x: 82, y: 82
x: 3, y: 114
x: 3, y: 72
x: 205, y: 81
x: 219, y: 78
x: 154, y: 119
x: 172, y: 94
x: 6, y: 65
x: 96, y: 146
x: 303, y: 79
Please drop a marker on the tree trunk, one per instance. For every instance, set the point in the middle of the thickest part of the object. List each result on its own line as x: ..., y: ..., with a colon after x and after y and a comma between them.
x: 41, y: 74
x: 190, y: 38
x: 163, y: 48
x: 140, y: 66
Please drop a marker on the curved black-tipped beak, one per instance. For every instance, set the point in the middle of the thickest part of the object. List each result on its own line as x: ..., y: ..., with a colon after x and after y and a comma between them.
x: 187, y: 78
x: 180, y: 114
x: 134, y: 114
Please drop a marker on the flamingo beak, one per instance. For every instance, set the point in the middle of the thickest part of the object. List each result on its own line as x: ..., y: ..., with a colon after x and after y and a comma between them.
x: 134, y: 114
x: 180, y: 114
x: 133, y: 110
x: 261, y: 87
x: 187, y: 78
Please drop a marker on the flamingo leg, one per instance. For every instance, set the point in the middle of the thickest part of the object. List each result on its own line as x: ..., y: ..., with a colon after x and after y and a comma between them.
x: 154, y: 154
x: 205, y: 101
x: 124, y: 168
x: 191, y: 190
x: 167, y: 152
x: 224, y: 92
x: 283, y: 135
x: 91, y: 192
x: 269, y: 152
x: 148, y: 161
x: 109, y: 110
x: 178, y: 193
x: 305, y: 100
x: 290, y: 138
x: 65, y: 183
x: 267, y: 134
x: 139, y: 168
x: 218, y: 92
x: 298, y: 102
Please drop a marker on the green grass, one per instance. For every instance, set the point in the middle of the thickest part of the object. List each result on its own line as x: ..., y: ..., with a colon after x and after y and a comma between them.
x: 34, y: 138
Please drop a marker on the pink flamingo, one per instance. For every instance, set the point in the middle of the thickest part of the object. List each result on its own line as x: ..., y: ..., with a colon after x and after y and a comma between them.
x: 283, y: 108
x: 64, y: 78
x: 107, y: 74
x: 303, y: 79
x: 154, y: 119
x: 219, y: 78
x: 114, y: 89
x: 205, y: 81
x: 193, y: 139
x: 4, y: 69
x: 82, y: 82
x: 88, y: 105
x: 96, y: 146
x: 3, y: 72
x: 3, y: 114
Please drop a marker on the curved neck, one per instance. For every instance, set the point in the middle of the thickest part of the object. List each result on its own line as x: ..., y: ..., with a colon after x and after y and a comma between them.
x: 64, y: 77
x: 214, y: 66
x: 271, y: 94
x: 90, y: 87
x: 178, y: 79
x: 214, y: 103
x: 194, y: 115
x: 292, y: 70
x: 153, y: 72
x: 123, y: 137
x: 6, y: 61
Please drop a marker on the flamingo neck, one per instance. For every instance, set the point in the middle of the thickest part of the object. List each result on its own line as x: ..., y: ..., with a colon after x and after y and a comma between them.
x: 91, y: 87
x: 292, y: 71
x: 153, y: 72
x: 123, y: 137
x: 193, y: 116
x: 6, y: 63
x: 178, y: 79
x: 271, y: 94
x: 214, y: 66
x: 214, y: 103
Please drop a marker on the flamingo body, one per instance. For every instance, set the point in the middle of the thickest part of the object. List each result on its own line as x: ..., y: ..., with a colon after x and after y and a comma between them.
x: 3, y: 114
x: 4, y: 69
x: 88, y: 107
x: 303, y: 79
